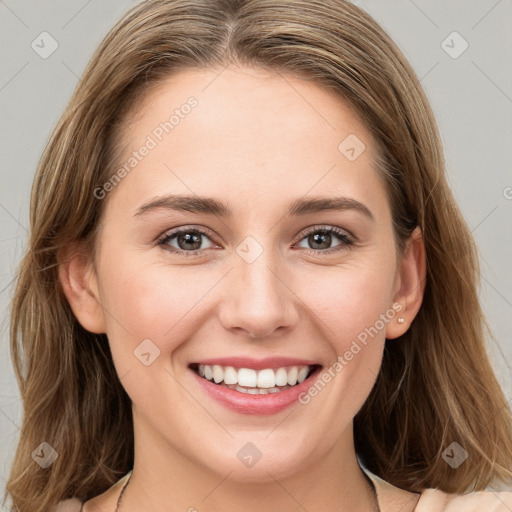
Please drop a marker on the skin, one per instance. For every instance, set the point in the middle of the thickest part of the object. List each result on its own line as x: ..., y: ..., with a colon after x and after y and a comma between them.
x: 257, y: 141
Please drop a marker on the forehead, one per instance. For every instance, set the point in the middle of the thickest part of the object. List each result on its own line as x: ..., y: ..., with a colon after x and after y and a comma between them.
x: 274, y: 101
x: 250, y: 133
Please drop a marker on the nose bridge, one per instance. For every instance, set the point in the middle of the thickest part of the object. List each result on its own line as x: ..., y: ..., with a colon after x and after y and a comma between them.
x: 259, y: 285
x: 258, y: 301
x: 254, y: 267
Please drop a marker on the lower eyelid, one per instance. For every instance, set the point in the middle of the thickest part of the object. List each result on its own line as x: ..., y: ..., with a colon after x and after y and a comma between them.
x: 345, y: 240
x: 163, y: 241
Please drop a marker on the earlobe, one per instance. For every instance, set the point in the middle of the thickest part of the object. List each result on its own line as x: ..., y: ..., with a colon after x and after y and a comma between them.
x: 79, y: 284
x: 411, y: 278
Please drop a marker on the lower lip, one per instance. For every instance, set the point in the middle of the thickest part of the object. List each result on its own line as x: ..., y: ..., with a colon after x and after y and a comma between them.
x: 245, y: 403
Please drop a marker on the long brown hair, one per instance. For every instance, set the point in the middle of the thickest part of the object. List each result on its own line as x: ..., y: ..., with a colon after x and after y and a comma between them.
x: 436, y: 385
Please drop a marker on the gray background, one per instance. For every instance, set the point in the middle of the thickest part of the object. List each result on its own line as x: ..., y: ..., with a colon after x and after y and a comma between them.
x: 471, y: 96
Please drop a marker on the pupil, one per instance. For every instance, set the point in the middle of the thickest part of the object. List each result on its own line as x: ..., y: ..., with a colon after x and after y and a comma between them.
x: 323, y: 237
x: 190, y: 238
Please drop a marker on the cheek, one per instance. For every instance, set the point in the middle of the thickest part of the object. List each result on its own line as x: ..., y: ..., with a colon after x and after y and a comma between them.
x: 152, y: 300
x: 354, y: 305
x: 147, y: 302
x: 350, y: 300
x: 352, y: 313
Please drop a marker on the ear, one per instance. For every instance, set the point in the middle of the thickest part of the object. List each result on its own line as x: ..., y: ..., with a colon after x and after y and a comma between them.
x: 409, y: 285
x: 79, y: 284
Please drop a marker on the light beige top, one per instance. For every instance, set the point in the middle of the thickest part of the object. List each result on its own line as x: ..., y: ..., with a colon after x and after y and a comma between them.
x: 393, y: 499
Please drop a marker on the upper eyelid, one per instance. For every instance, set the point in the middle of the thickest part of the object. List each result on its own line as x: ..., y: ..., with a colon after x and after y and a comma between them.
x: 176, y: 231
x: 205, y: 231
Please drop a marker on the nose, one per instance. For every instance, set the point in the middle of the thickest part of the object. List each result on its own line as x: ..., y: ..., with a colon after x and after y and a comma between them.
x: 258, y: 301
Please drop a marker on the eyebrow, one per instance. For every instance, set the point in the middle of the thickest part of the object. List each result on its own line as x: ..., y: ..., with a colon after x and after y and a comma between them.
x: 211, y: 206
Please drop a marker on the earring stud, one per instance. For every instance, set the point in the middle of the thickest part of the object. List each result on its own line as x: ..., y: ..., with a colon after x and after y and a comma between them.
x: 401, y: 320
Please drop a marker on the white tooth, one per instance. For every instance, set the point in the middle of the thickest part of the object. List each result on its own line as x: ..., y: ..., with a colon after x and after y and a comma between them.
x: 253, y: 391
x: 292, y: 375
x: 303, y: 373
x: 201, y: 370
x: 273, y: 390
x: 247, y: 377
x: 264, y: 391
x: 230, y: 375
x: 218, y: 373
x: 241, y: 389
x: 266, y: 378
x: 208, y: 372
x: 281, y: 377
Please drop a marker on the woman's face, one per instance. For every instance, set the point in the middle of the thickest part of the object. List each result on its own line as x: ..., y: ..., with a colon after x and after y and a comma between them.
x: 261, y: 286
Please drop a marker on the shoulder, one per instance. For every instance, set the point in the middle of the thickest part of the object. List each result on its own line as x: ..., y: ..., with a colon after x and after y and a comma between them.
x: 102, y: 502
x: 72, y: 505
x: 391, y: 498
x: 491, y: 501
x: 434, y: 500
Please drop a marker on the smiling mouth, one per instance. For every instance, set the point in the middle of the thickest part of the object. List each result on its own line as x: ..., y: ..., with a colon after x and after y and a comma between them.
x: 255, y: 382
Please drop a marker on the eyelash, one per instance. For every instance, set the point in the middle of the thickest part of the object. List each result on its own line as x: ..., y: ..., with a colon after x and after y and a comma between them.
x: 347, y: 242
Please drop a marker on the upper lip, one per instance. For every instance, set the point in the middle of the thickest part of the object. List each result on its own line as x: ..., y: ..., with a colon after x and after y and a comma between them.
x: 256, y: 364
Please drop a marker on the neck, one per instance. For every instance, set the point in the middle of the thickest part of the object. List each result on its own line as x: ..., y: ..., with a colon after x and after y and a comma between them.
x: 163, y: 476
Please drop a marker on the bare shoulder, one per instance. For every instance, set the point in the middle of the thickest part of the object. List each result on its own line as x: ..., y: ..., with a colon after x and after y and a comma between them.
x: 433, y: 500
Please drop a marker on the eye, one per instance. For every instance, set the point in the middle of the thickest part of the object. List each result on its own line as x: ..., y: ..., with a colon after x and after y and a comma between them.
x: 188, y: 240
x: 321, y: 237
